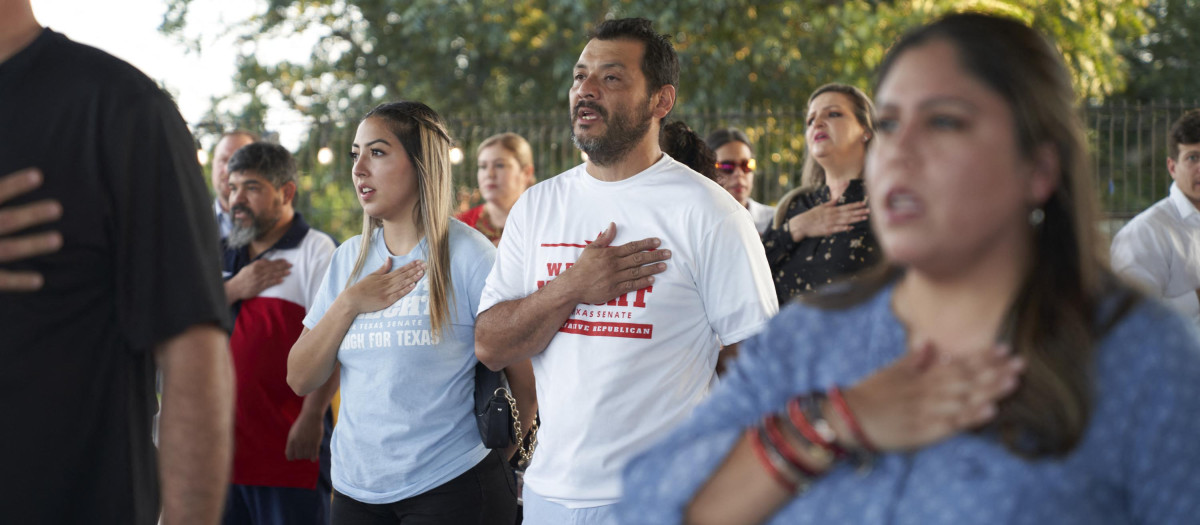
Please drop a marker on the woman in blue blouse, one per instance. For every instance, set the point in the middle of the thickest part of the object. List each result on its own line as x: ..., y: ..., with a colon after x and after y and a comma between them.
x: 996, y: 372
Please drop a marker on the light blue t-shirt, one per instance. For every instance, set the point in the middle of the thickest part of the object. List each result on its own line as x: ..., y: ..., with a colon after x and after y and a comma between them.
x: 406, y: 422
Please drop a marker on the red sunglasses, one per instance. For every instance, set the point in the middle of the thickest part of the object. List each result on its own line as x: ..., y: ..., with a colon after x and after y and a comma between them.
x: 729, y: 166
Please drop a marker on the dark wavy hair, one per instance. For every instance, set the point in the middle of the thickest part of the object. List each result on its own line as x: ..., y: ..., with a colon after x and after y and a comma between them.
x: 684, y: 145
x: 1186, y: 130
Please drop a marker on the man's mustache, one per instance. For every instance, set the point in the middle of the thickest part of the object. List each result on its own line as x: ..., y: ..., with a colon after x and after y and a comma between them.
x: 589, y: 105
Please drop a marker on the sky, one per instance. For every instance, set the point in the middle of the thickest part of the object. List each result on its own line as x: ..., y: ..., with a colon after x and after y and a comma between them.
x: 128, y: 29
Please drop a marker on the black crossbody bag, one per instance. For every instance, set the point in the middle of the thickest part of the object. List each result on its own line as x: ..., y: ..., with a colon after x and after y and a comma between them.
x: 497, y: 416
x: 493, y: 412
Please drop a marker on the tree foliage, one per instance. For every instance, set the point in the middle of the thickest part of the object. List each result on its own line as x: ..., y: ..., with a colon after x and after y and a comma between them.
x: 502, y: 56
x: 470, y: 58
x: 1163, y: 62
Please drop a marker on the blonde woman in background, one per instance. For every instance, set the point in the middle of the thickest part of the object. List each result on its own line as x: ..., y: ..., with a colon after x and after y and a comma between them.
x: 505, y: 172
x: 821, y: 232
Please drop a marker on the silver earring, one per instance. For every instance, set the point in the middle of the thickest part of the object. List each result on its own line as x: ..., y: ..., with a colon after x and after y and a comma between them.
x: 1036, y: 217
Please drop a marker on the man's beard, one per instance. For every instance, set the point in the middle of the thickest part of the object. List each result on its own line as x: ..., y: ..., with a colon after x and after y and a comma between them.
x: 620, y: 134
x: 242, y: 234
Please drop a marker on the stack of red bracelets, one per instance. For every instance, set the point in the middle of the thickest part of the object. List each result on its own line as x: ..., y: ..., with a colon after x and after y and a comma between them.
x: 819, y: 442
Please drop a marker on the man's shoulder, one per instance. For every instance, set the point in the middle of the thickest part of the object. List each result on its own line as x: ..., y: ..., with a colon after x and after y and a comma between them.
x: 689, y: 188
x: 87, y: 70
x: 318, y: 240
x: 549, y: 196
x: 316, y: 248
x: 318, y: 245
x: 1164, y: 212
x: 1159, y: 218
x: 553, y: 184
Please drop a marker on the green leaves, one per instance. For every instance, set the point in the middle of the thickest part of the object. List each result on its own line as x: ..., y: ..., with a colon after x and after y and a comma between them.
x: 471, y: 59
x: 1162, y: 58
x: 488, y: 56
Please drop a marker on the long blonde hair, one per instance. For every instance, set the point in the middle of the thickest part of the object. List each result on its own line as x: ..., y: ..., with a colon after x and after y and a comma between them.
x: 812, y: 176
x: 424, y: 137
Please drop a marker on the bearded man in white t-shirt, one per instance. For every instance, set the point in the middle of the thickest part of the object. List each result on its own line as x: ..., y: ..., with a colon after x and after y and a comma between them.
x: 623, y: 328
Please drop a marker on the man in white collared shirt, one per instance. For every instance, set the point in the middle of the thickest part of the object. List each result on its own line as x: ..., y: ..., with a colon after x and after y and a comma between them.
x: 1160, y: 248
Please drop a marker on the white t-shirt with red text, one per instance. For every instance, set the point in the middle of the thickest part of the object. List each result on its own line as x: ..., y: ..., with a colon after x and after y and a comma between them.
x: 617, y: 376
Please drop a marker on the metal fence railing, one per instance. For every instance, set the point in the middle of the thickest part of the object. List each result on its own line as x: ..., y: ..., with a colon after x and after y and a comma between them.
x: 1128, y: 146
x: 1129, y: 152
x: 778, y: 138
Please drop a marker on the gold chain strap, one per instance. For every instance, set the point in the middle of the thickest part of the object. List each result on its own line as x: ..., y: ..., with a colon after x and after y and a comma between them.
x: 526, y: 453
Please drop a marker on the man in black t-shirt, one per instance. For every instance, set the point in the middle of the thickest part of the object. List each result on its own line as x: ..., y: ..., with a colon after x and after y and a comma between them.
x: 134, y: 285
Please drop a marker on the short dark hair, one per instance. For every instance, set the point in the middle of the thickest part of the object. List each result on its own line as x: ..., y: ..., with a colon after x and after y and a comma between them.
x: 724, y: 136
x: 684, y: 145
x: 660, y: 63
x: 1186, y: 130
x: 271, y: 161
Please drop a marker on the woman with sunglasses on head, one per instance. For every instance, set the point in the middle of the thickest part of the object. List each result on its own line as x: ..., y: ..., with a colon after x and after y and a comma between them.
x: 505, y: 172
x: 395, y: 317
x: 996, y: 373
x: 735, y: 172
x: 821, y: 232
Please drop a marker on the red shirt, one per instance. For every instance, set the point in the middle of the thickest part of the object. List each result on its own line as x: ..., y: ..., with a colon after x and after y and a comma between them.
x: 265, y: 328
x: 477, y: 218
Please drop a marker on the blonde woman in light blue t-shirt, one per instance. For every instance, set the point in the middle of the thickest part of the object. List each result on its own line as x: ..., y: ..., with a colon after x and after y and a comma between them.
x: 401, y: 338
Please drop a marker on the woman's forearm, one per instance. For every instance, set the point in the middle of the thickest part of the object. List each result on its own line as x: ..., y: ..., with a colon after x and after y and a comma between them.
x: 773, y: 462
x: 740, y: 491
x: 314, y: 356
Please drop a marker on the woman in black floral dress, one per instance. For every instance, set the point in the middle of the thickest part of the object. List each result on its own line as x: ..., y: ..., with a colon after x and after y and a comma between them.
x: 822, y: 232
